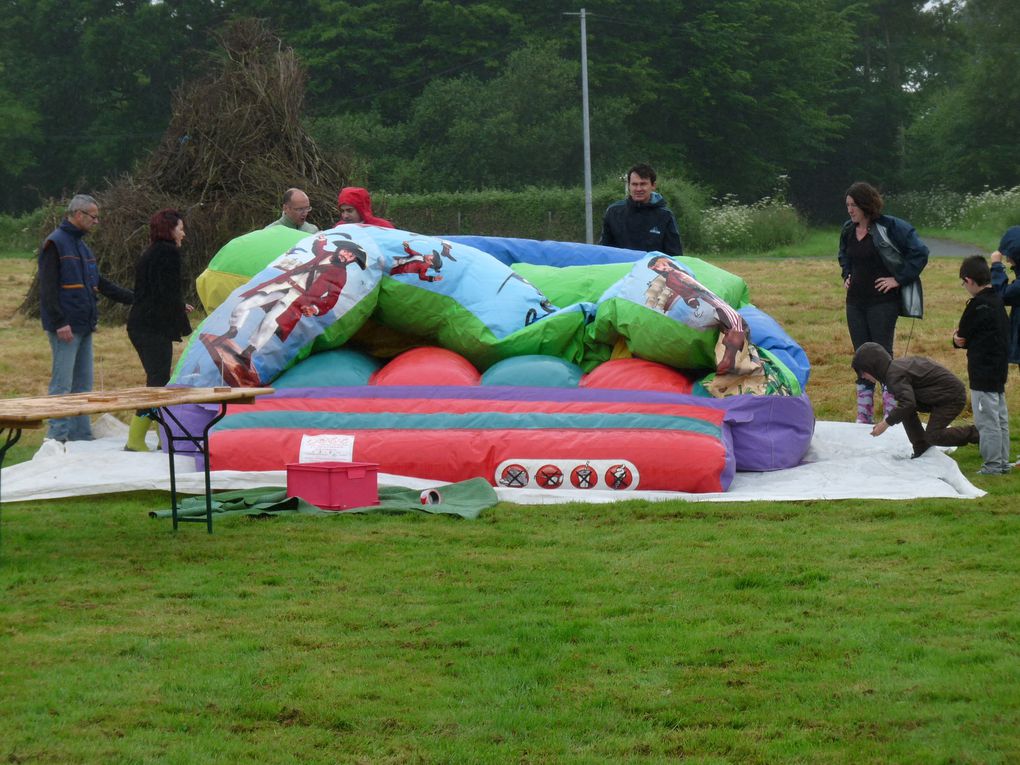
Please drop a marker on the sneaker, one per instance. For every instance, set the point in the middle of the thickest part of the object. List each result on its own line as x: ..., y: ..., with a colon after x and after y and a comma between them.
x: 990, y: 471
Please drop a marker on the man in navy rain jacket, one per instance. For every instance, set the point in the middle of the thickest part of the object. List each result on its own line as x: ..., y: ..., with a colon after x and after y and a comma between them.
x: 69, y: 282
x: 642, y: 221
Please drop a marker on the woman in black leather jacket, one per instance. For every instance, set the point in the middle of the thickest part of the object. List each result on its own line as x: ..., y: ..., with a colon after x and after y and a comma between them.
x: 159, y: 315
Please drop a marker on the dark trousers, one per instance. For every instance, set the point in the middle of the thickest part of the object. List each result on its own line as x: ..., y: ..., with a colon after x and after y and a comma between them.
x: 156, y: 353
x: 938, y: 432
x: 872, y: 323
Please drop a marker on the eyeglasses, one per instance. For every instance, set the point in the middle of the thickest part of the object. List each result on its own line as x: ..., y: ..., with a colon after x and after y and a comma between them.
x: 95, y: 217
x: 301, y: 209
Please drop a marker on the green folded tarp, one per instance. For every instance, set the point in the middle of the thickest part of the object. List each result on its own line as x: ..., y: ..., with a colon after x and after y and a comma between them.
x: 466, y: 499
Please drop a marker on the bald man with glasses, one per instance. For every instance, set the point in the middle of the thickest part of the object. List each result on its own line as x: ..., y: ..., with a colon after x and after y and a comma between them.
x: 296, y: 207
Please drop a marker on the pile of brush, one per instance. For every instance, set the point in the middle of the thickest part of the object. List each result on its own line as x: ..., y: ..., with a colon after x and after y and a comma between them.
x: 235, y: 143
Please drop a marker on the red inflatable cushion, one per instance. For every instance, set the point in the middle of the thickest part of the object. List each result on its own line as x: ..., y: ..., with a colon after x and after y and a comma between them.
x: 637, y: 374
x: 428, y: 366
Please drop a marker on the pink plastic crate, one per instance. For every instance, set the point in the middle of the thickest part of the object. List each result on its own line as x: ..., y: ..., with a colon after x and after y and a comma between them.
x: 334, y: 485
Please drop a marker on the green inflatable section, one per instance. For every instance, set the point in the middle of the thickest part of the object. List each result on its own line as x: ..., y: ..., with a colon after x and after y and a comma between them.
x: 652, y: 335
x: 567, y: 285
x: 248, y: 254
x: 647, y: 332
x: 240, y: 259
x: 441, y: 320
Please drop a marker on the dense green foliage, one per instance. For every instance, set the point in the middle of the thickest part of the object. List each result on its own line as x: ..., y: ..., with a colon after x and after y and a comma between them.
x: 966, y: 136
x: 87, y: 83
x: 443, y: 96
x: 20, y: 233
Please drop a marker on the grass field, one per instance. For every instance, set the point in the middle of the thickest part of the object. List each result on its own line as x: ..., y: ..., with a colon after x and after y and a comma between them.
x: 770, y: 632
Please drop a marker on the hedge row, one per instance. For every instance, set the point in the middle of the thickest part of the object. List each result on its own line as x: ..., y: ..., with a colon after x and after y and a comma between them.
x: 535, y: 213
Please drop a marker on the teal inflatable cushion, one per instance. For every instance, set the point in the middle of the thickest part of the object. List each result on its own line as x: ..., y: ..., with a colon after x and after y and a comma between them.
x: 534, y: 371
x: 340, y: 367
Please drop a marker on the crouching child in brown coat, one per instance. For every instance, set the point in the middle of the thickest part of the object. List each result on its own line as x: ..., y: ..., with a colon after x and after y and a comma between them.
x: 919, y: 385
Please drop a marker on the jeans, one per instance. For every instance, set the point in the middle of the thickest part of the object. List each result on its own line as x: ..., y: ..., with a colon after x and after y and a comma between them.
x: 71, y: 373
x: 992, y: 420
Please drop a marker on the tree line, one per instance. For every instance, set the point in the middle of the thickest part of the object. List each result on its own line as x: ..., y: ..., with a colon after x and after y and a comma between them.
x: 442, y: 95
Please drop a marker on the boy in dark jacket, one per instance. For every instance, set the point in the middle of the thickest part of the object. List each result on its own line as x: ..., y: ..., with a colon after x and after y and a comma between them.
x: 984, y: 332
x: 919, y: 385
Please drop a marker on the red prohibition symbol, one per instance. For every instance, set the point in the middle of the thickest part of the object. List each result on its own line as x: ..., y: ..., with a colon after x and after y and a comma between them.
x: 514, y: 477
x: 583, y: 477
x: 619, y: 477
x: 549, y: 477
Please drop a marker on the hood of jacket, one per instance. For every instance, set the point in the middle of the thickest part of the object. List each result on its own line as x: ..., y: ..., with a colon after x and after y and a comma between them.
x: 873, y: 359
x: 1010, y: 244
x: 360, y: 200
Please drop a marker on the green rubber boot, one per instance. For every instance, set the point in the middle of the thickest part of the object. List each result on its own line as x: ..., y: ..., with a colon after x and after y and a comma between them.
x: 136, y: 434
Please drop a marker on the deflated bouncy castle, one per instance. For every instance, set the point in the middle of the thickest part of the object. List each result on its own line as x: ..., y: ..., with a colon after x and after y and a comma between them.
x: 531, y: 364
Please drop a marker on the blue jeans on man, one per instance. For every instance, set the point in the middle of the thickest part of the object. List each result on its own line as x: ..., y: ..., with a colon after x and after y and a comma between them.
x: 71, y: 373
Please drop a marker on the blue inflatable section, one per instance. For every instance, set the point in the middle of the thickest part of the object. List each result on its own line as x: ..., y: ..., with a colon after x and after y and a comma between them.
x: 766, y: 333
x: 547, y: 253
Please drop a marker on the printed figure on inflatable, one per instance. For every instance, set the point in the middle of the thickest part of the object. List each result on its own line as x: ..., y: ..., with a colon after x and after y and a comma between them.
x: 532, y: 364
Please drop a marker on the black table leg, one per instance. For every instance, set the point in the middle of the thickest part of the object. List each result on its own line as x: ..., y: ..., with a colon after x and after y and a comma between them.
x: 165, y: 417
x: 7, y: 440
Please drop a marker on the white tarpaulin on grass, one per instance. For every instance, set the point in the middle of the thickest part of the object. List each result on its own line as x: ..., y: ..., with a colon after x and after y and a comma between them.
x: 844, y: 462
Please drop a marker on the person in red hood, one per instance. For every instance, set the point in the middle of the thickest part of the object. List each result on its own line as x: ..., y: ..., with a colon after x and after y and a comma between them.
x: 355, y: 205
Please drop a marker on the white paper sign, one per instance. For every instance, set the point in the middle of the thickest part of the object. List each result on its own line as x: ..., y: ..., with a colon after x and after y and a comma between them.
x: 326, y: 448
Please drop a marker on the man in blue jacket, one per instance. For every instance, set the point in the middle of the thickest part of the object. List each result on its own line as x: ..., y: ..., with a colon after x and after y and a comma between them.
x: 69, y: 281
x: 642, y: 221
x: 1009, y: 254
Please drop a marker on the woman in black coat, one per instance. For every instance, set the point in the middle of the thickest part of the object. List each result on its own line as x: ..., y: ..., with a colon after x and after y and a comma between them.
x: 159, y: 315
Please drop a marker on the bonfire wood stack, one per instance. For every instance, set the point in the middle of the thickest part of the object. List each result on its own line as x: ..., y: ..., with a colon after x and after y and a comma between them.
x: 235, y: 142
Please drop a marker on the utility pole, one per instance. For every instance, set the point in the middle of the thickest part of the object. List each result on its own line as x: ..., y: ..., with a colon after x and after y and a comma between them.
x: 586, y: 128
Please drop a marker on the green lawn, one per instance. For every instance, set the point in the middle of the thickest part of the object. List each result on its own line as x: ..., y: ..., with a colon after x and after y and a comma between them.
x: 817, y: 242
x: 851, y: 632
x: 772, y: 632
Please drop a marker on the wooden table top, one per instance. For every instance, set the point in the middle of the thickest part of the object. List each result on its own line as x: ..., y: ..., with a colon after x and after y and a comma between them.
x: 32, y: 412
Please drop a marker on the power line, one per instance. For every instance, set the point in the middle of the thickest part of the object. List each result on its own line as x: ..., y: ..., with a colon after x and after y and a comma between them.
x: 649, y: 27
